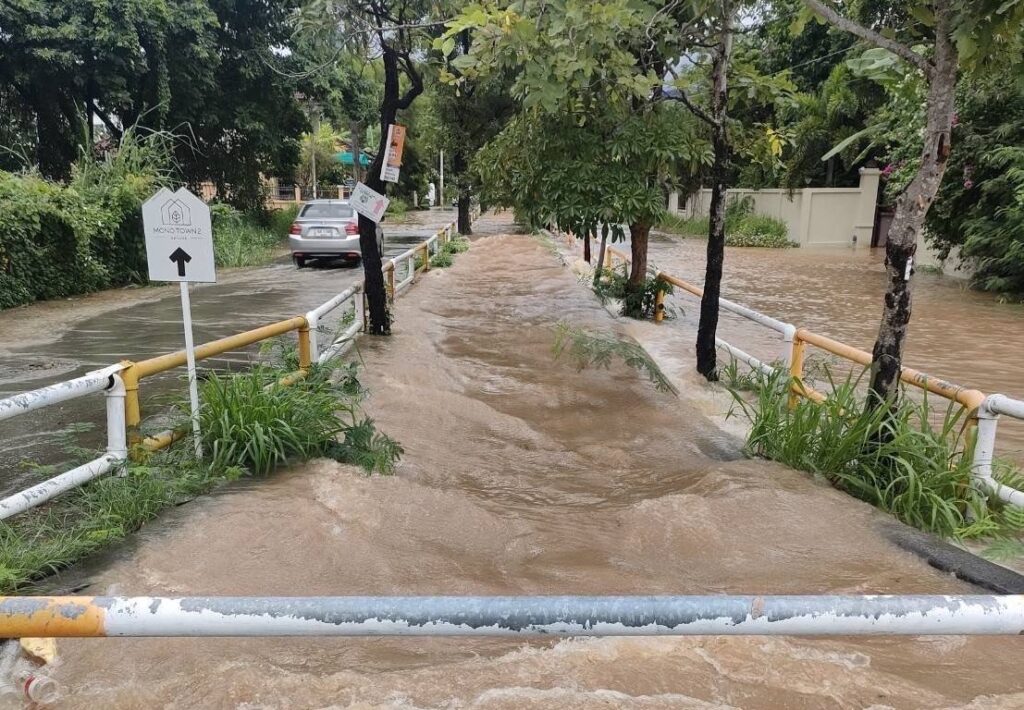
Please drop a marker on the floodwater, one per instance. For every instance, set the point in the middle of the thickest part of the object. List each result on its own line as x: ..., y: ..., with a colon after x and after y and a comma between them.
x: 50, y: 342
x: 523, y: 476
x: 955, y: 333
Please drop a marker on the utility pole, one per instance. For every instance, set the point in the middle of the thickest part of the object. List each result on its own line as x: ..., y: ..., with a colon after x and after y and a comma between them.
x: 315, y: 111
x: 441, y: 203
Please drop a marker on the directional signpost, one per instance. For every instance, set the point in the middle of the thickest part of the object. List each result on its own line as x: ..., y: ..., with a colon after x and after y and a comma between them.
x: 179, y: 247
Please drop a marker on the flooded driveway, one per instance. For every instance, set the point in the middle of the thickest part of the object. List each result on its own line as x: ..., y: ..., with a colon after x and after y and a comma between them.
x: 524, y: 476
x: 49, y: 342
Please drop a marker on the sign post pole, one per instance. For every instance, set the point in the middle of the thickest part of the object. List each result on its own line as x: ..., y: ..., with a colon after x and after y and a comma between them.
x: 179, y: 247
x: 190, y: 359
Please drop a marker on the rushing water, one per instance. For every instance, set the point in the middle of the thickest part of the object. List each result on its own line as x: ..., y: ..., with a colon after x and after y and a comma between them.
x: 524, y: 476
x: 955, y: 333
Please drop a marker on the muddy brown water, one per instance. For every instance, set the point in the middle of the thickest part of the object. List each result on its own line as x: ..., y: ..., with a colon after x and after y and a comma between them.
x: 524, y: 476
x: 957, y: 334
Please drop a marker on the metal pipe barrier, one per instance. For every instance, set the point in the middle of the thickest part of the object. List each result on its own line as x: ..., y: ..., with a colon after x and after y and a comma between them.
x: 120, y: 382
x: 108, y: 381
x: 982, y: 411
x: 824, y: 615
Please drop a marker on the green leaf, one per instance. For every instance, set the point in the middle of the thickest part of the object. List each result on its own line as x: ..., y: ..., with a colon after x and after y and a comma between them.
x: 923, y: 14
x: 843, y: 144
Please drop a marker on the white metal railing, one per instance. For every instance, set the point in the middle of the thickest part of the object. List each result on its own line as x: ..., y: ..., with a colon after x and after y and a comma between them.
x: 985, y: 444
x: 343, y: 340
x: 107, y: 381
x: 720, y: 615
x: 987, y: 413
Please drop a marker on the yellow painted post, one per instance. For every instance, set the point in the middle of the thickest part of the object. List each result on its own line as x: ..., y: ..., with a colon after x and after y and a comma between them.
x: 132, y: 411
x: 607, y: 258
x: 305, y: 349
x: 796, y: 370
x: 426, y: 257
x: 391, y: 283
x: 659, y: 304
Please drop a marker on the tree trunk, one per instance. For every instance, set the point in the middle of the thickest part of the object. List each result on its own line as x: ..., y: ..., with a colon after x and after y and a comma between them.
x: 465, y: 223
x: 376, y: 293
x: 638, y: 234
x: 707, y: 329
x: 586, y: 246
x: 911, y: 210
x: 600, y: 256
x: 465, y: 195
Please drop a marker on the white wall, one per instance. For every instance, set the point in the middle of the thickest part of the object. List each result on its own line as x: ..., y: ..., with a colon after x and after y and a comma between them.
x: 814, y: 216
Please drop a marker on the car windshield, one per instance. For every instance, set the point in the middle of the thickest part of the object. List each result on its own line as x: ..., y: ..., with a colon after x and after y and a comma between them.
x: 325, y: 210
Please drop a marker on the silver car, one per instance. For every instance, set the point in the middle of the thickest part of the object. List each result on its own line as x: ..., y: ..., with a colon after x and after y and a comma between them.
x: 327, y: 229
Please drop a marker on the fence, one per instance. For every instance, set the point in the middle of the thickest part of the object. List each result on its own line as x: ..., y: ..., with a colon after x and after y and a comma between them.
x: 813, y: 216
x: 873, y: 615
x: 121, y: 382
x: 983, y: 411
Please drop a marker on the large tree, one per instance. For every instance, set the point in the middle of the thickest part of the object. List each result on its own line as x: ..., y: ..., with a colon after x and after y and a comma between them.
x: 469, y: 112
x: 599, y: 63
x: 945, y: 36
x: 204, y: 69
x: 394, y: 30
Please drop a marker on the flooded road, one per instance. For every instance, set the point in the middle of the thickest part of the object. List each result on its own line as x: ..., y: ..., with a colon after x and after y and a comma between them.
x: 955, y: 333
x: 49, y: 342
x: 524, y: 476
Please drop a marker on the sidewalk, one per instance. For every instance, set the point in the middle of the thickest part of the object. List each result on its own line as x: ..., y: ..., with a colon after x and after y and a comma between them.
x: 523, y: 476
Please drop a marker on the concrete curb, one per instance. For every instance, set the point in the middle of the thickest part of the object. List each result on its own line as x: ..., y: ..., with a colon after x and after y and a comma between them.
x: 962, y: 564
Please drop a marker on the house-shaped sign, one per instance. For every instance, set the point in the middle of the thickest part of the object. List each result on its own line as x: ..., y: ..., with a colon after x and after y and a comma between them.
x: 179, y: 237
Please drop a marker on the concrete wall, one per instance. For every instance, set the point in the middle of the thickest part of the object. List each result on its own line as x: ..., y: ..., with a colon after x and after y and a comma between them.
x: 814, y: 216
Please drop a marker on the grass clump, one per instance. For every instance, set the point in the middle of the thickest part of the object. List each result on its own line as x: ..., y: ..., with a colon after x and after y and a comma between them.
x: 445, y: 257
x: 587, y: 349
x: 637, y: 301
x: 458, y: 244
x: 251, y: 425
x: 51, y: 538
x: 252, y: 421
x: 893, y: 456
x: 743, y: 227
x: 279, y: 221
x: 240, y: 240
x: 441, y: 260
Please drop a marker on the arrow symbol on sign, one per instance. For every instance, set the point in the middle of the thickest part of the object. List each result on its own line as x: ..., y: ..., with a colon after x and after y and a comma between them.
x: 180, y: 257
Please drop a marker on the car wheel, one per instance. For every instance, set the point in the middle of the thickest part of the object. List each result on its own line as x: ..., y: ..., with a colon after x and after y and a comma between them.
x: 300, y: 261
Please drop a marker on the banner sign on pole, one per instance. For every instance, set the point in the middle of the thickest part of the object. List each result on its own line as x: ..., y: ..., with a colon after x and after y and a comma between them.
x: 391, y: 168
x: 179, y: 247
x: 368, y: 202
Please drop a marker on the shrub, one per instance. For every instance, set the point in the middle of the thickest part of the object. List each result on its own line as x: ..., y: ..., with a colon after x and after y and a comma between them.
x: 280, y: 220
x: 759, y: 231
x: 441, y: 260
x: 458, y: 244
x: 687, y: 226
x: 397, y: 207
x: 637, y: 302
x: 743, y: 228
x: 249, y: 420
x: 238, y: 239
x: 892, y: 456
x: 61, y: 240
